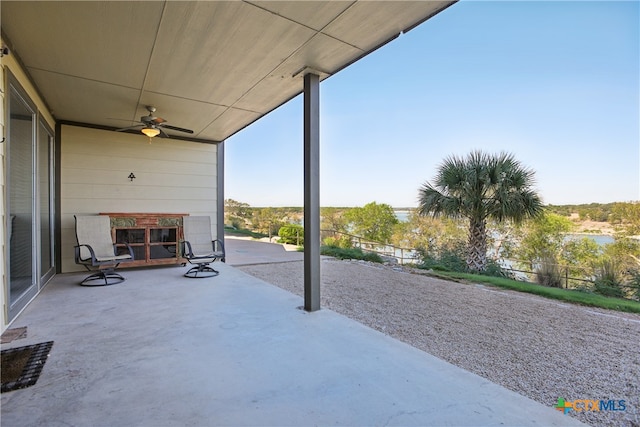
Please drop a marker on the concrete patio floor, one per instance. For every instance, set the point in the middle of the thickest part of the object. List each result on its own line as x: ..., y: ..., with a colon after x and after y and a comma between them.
x: 164, y: 350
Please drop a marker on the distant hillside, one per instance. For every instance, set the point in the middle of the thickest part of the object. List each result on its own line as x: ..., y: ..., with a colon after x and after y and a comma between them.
x: 593, y: 217
x: 592, y: 211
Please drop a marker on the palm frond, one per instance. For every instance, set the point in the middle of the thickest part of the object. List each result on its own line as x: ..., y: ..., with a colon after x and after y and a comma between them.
x: 432, y: 201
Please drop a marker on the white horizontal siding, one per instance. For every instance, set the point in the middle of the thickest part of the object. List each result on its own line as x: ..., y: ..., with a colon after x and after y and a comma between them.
x: 135, y: 191
x: 172, y: 176
x: 81, y: 170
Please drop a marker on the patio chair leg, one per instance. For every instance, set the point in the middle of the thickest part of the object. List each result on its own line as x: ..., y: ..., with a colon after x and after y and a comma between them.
x: 201, y: 271
x: 108, y: 276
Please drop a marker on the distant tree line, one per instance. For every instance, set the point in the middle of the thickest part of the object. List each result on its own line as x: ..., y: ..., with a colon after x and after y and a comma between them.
x: 373, y: 221
x: 613, y: 213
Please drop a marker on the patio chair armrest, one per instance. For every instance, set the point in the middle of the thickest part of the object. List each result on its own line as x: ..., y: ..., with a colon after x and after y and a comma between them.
x: 79, y: 258
x: 186, y: 249
x: 218, y: 246
x: 129, y: 248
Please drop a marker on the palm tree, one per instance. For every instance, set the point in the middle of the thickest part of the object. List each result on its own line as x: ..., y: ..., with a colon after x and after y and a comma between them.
x: 479, y: 187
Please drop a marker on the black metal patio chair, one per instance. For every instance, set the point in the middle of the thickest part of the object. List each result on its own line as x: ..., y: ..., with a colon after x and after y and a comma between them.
x: 200, y: 249
x: 97, y: 252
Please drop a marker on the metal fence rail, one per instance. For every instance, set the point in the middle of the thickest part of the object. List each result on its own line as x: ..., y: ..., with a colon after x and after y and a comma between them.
x: 400, y: 254
x: 409, y: 255
x: 566, y: 278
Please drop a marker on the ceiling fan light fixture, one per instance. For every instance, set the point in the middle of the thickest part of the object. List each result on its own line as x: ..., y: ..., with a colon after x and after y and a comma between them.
x: 150, y: 132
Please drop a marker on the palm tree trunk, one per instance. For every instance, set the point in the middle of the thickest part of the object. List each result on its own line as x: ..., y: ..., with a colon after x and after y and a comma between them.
x: 477, y: 250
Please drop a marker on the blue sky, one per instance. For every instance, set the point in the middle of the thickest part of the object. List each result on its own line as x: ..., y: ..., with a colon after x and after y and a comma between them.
x: 555, y: 83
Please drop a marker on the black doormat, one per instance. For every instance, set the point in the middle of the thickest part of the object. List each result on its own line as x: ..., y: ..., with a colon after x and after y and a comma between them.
x: 22, y: 366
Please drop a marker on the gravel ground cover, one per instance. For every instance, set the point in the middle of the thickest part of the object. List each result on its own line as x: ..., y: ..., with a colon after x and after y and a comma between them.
x: 537, y: 347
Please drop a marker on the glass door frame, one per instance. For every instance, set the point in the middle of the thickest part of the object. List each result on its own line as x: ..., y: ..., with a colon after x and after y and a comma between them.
x: 45, y: 131
x: 16, y: 93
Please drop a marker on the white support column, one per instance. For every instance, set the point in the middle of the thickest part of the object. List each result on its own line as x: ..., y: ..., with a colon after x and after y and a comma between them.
x: 311, y: 192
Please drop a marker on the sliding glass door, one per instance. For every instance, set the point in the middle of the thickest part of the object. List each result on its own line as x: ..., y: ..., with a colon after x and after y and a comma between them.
x: 29, y: 181
x: 22, y: 118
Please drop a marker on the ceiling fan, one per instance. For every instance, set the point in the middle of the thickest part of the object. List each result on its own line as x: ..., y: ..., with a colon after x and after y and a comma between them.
x: 153, y: 126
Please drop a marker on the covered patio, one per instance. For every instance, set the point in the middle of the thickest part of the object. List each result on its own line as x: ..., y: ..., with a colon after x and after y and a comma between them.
x: 164, y: 350
x: 161, y: 349
x: 83, y: 80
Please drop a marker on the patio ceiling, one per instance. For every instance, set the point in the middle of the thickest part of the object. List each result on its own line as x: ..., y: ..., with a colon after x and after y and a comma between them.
x: 212, y: 66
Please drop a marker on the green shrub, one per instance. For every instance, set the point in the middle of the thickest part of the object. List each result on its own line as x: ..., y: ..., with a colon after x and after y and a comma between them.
x: 446, y: 260
x: 548, y: 273
x: 607, y: 290
x: 634, y: 284
x: 350, y: 253
x: 495, y: 270
x: 236, y: 222
x: 338, y: 242
x: 608, y: 281
x: 292, y: 234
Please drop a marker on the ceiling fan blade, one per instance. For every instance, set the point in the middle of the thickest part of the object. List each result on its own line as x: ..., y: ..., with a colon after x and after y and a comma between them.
x: 123, y: 120
x: 158, y: 120
x: 175, y: 128
x: 129, y: 128
x: 163, y: 134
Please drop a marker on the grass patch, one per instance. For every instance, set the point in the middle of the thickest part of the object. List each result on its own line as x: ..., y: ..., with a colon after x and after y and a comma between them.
x: 567, y: 295
x: 350, y: 253
x: 244, y: 233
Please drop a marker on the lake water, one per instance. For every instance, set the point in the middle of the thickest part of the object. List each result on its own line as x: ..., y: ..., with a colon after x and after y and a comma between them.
x: 601, y: 239
x: 403, y: 216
